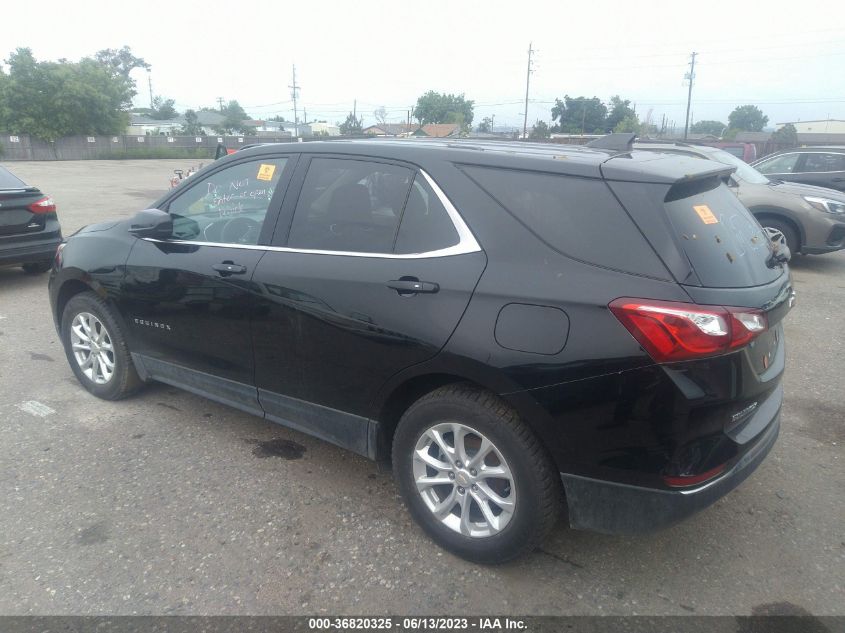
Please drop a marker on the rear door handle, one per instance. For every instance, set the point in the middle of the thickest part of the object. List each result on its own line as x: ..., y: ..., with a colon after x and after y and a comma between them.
x: 229, y: 268
x: 413, y: 286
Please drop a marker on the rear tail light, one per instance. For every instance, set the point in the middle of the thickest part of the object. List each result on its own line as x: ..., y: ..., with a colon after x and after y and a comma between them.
x: 673, y: 331
x: 44, y: 205
x: 680, y: 481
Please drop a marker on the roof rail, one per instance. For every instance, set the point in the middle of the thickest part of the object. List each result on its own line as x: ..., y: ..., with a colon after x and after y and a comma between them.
x: 618, y: 141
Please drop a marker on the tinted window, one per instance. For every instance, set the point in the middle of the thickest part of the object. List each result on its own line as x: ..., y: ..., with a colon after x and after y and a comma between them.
x: 823, y: 162
x: 578, y: 217
x: 228, y: 206
x: 724, y: 243
x: 784, y: 164
x: 9, y: 180
x: 350, y: 205
x: 426, y: 226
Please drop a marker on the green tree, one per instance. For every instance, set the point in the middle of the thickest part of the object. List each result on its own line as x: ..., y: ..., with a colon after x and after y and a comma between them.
x: 787, y: 135
x: 191, y: 126
x: 433, y: 107
x: 163, y: 109
x: 629, y: 124
x: 620, y: 110
x: 277, y: 118
x: 579, y: 115
x: 540, y: 130
x: 120, y: 63
x: 49, y: 100
x: 233, y: 122
x: 748, y: 118
x: 351, y: 126
x: 485, y: 126
x: 708, y: 127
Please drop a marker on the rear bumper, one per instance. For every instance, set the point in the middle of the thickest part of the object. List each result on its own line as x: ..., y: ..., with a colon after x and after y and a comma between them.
x: 615, y: 508
x: 26, y: 252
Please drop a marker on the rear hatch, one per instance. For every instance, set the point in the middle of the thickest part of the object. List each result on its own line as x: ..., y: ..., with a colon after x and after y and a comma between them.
x: 715, y: 249
x: 19, y: 209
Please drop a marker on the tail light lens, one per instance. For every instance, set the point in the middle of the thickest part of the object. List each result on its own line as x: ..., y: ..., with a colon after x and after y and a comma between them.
x: 43, y: 205
x: 673, y: 331
x: 679, y: 481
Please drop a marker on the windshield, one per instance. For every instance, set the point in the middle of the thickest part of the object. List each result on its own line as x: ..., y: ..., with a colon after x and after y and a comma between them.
x: 744, y: 171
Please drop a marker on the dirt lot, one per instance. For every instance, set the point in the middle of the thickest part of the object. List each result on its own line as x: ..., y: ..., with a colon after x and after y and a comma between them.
x: 170, y: 504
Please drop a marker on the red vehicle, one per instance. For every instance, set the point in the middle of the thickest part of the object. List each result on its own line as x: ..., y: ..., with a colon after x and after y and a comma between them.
x: 744, y: 151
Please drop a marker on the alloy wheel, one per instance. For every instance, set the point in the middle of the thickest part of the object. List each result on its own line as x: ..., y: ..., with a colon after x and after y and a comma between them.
x: 464, y: 480
x: 776, y: 236
x: 92, y: 348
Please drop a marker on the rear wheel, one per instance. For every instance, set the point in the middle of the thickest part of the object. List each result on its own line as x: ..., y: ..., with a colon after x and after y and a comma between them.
x: 781, y: 232
x: 474, y: 476
x: 36, y: 268
x: 95, y: 346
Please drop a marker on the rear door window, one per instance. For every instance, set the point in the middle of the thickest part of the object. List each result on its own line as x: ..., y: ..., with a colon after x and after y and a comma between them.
x: 426, y: 225
x: 578, y: 217
x: 819, y: 162
x: 725, y: 244
x: 350, y: 205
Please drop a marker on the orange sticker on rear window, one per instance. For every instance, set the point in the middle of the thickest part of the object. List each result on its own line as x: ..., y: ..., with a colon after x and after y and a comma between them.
x: 705, y: 214
x: 265, y: 172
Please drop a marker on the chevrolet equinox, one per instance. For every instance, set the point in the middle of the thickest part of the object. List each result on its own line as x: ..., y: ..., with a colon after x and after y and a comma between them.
x: 513, y: 325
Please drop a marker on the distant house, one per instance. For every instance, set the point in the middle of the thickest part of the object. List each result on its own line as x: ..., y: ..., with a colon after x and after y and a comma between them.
x: 822, y: 126
x: 753, y: 137
x: 141, y: 125
x: 820, y: 132
x: 439, y: 130
x: 391, y: 129
x: 321, y: 128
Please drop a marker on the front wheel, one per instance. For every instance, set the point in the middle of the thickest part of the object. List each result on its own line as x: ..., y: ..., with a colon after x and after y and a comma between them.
x: 474, y: 476
x: 95, y: 346
x: 781, y: 233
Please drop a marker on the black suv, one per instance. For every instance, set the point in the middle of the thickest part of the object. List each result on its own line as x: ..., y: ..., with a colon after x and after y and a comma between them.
x: 507, y: 322
x: 29, y: 226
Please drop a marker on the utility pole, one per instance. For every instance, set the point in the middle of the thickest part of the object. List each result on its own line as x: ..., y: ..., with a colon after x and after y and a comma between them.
x: 355, y: 109
x: 691, y: 77
x: 527, y: 82
x: 492, y: 122
x: 150, y: 82
x: 294, y: 93
x: 220, y: 103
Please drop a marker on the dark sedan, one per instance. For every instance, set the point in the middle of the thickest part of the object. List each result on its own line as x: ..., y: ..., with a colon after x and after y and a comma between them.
x: 819, y: 166
x: 29, y: 226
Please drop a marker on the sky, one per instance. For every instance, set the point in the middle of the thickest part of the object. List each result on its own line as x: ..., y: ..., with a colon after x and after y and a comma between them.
x: 786, y: 58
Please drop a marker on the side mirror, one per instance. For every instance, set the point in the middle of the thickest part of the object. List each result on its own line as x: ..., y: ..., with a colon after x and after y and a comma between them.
x: 152, y: 223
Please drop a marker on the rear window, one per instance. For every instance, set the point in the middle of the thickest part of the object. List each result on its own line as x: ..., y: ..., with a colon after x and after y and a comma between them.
x: 10, y: 181
x: 578, y: 217
x: 722, y: 240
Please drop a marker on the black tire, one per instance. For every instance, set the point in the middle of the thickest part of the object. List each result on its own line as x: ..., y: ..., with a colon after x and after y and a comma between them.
x: 124, y: 380
x: 36, y: 268
x: 789, y: 233
x: 537, y: 486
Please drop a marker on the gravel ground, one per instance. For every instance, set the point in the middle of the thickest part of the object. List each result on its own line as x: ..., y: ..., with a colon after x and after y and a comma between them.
x: 171, y: 504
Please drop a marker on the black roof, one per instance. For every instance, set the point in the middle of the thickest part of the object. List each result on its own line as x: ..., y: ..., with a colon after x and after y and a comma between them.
x: 550, y: 157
